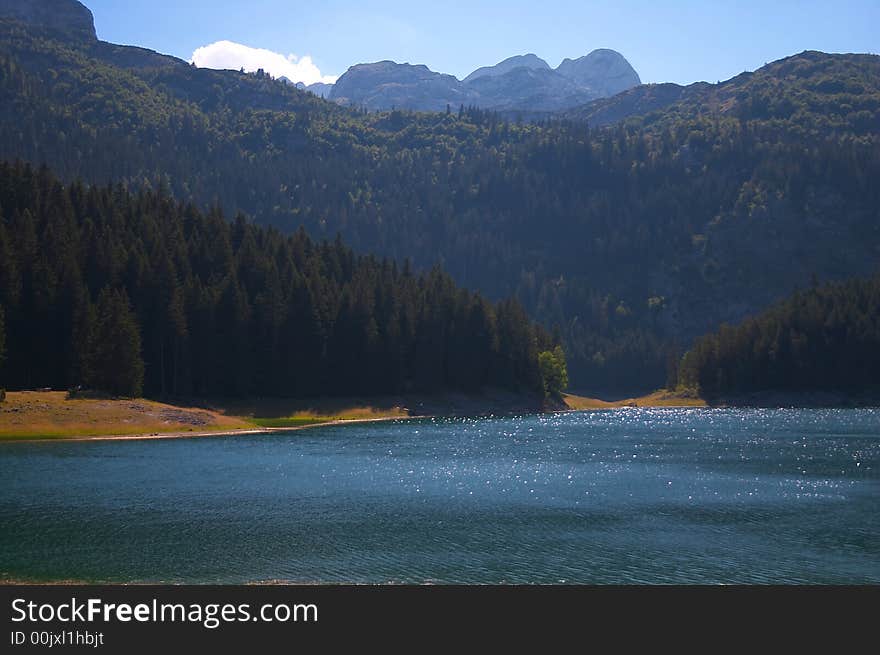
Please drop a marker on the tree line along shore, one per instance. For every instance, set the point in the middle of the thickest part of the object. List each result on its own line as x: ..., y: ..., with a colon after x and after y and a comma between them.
x: 136, y: 294
x: 54, y: 415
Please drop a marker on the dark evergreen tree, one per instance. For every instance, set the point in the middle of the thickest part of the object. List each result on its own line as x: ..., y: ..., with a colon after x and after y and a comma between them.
x: 123, y: 291
x: 823, y: 339
x: 2, y: 342
x: 115, y: 363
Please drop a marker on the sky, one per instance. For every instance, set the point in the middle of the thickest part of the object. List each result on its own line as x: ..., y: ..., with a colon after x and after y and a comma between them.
x: 679, y: 41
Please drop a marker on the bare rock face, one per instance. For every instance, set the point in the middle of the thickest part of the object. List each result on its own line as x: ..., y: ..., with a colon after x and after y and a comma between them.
x: 387, y: 84
x: 531, y: 89
x: 519, y: 83
x: 320, y: 89
x: 605, y: 72
x: 530, y: 61
x: 65, y: 16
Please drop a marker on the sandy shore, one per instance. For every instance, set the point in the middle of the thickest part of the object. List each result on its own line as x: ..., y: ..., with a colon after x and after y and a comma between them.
x: 30, y: 417
x: 213, y: 433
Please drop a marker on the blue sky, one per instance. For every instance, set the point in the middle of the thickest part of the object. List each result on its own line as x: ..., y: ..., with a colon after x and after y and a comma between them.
x: 676, y: 41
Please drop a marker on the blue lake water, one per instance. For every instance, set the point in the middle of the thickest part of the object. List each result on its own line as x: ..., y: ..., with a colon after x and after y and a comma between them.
x: 627, y: 496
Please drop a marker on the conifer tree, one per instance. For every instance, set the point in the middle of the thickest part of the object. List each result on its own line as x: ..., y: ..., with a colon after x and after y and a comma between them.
x: 2, y: 341
x: 190, y: 304
x: 116, y: 364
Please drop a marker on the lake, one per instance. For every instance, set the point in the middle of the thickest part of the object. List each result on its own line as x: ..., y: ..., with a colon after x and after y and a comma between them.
x: 621, y: 496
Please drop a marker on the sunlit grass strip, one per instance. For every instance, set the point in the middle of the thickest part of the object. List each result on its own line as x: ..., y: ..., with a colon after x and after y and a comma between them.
x: 52, y: 415
x: 33, y: 433
x: 290, y: 421
x: 661, y: 398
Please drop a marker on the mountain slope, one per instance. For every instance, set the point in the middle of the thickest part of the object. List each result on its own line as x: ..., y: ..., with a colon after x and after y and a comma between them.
x: 386, y: 84
x: 638, y: 101
x: 511, y: 63
x: 527, y: 89
x: 66, y: 17
x: 629, y: 240
x: 603, y: 71
x: 524, y: 83
x: 808, y: 88
x: 824, y: 339
x: 321, y: 89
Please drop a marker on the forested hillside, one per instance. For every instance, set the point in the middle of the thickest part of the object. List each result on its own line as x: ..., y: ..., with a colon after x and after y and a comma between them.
x: 824, y: 339
x: 628, y: 240
x: 137, y: 292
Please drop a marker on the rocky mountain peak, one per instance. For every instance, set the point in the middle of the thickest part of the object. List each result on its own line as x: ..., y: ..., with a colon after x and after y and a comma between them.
x: 386, y: 84
x: 605, y: 71
x: 530, y: 61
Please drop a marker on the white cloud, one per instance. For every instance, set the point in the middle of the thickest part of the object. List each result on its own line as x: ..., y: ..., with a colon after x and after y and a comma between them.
x: 234, y: 56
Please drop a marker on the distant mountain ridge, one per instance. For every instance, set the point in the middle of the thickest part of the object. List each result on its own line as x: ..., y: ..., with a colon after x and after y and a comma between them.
x: 637, y: 101
x: 387, y: 84
x: 524, y: 83
x: 752, y: 94
x: 517, y: 61
x: 518, y: 83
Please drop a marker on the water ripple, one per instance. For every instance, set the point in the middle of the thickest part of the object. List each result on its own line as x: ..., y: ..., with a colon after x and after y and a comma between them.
x: 631, y: 496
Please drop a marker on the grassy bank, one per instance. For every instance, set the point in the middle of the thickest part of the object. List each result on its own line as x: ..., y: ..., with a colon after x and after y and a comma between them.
x: 29, y: 415
x: 38, y: 415
x: 292, y: 413
x: 51, y: 415
x: 660, y: 398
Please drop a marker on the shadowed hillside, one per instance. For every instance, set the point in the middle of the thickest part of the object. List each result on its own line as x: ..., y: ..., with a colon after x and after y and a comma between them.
x: 628, y: 240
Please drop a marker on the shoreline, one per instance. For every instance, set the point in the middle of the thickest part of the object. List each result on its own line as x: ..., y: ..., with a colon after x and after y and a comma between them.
x: 234, y: 424
x: 318, y: 424
x: 42, y: 416
x: 208, y: 433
